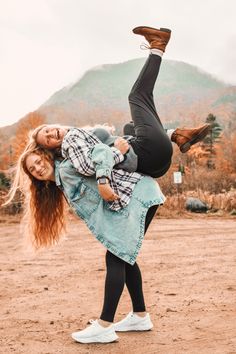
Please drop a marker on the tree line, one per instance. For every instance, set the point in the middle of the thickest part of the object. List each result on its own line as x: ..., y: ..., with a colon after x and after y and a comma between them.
x: 208, y: 166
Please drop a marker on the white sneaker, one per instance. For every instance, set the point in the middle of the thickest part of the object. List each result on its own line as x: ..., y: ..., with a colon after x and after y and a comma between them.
x: 96, y: 334
x: 133, y: 322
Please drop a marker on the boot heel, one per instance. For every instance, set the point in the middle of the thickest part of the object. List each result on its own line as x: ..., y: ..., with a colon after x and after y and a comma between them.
x: 165, y: 30
x: 185, y: 147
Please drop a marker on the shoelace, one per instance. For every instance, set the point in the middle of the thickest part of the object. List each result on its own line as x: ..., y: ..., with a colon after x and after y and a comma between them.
x: 91, y: 321
x: 144, y: 46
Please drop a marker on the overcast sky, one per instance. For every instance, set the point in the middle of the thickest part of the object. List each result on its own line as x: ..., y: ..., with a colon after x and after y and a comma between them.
x: 48, y: 44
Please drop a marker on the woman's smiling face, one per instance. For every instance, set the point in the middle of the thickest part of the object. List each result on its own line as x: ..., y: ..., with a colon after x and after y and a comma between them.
x: 51, y: 136
x: 39, y: 167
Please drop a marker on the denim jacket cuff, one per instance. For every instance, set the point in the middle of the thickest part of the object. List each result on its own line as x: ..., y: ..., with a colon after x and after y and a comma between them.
x: 106, y: 172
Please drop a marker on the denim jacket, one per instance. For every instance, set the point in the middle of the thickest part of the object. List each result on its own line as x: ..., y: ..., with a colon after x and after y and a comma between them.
x: 121, y: 232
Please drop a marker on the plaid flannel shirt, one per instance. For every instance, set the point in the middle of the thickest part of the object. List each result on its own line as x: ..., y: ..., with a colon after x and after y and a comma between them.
x: 78, y: 145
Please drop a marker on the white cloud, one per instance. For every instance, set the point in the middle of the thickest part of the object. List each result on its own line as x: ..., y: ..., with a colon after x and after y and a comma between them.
x: 18, y: 13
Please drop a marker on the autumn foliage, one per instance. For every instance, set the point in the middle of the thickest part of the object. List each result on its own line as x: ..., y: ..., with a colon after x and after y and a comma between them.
x: 12, y: 148
x: 31, y: 121
x: 201, y: 178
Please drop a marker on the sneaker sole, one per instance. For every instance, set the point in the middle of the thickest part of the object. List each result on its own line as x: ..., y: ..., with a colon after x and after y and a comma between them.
x: 137, y: 329
x: 105, y: 338
x: 201, y: 135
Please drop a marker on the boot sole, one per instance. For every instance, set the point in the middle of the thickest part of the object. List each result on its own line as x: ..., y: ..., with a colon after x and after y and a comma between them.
x: 201, y: 135
x: 152, y: 28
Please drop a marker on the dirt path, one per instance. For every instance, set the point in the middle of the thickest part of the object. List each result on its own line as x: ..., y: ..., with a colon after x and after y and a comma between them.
x: 189, y: 274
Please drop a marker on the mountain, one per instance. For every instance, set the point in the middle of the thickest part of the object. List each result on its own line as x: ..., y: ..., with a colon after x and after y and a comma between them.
x: 184, y: 95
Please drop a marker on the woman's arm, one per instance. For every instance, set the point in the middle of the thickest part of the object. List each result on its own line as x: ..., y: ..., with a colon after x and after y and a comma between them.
x: 78, y: 147
x: 103, y: 163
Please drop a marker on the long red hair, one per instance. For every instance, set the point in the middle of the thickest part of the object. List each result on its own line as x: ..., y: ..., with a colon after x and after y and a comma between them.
x: 44, y: 203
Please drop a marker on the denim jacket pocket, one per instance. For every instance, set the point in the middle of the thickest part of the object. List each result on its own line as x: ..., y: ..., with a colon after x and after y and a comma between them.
x: 78, y: 192
x: 85, y: 201
x: 121, y: 212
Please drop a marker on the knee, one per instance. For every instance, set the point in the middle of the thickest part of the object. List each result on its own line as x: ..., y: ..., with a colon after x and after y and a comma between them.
x: 128, y: 129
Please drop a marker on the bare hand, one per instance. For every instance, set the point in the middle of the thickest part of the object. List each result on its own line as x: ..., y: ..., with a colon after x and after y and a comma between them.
x: 122, y: 145
x: 107, y: 193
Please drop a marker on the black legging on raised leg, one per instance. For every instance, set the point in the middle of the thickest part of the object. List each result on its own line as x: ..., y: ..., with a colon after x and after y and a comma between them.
x: 120, y: 273
x: 151, y: 142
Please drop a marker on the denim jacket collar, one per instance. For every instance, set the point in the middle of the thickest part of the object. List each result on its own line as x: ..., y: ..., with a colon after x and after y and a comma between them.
x: 57, y: 177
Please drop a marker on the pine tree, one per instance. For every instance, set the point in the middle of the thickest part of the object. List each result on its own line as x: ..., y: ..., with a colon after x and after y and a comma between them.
x: 212, y: 139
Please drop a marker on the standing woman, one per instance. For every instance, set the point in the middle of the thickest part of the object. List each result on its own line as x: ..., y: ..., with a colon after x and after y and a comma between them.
x: 120, y: 230
x: 46, y: 183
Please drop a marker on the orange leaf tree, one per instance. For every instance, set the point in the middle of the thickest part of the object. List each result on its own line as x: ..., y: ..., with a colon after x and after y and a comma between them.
x: 31, y: 121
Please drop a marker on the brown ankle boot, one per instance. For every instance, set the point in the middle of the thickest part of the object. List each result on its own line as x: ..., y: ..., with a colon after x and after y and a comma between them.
x: 186, y: 137
x: 157, y: 38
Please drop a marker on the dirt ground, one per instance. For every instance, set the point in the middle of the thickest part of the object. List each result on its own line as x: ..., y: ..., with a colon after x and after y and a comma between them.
x: 189, y: 275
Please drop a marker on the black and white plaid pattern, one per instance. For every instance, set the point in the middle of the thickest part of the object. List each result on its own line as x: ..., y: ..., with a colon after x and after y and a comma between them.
x: 123, y: 183
x: 77, y: 145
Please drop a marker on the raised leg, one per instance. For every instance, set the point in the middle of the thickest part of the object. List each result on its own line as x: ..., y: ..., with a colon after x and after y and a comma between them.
x: 151, y: 142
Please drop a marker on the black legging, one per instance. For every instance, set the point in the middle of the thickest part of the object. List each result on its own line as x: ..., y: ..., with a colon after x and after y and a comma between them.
x: 151, y: 142
x: 120, y: 273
